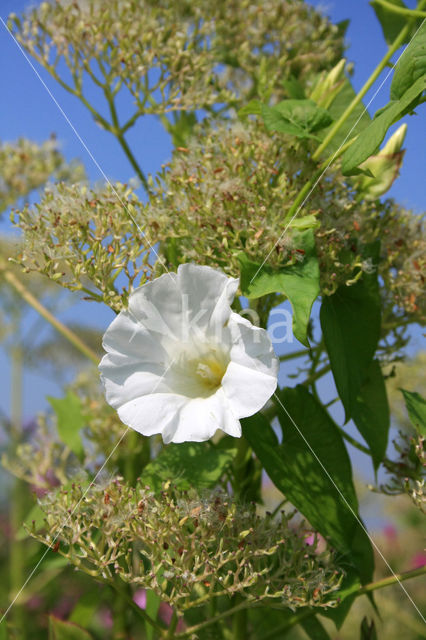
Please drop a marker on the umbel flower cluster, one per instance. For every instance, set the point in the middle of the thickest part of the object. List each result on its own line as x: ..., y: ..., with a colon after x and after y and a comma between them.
x: 178, y: 56
x: 26, y: 165
x: 407, y: 474
x: 228, y: 191
x: 186, y: 548
x: 84, y: 239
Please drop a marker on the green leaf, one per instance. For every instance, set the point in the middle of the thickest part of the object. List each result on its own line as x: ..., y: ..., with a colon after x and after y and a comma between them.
x: 416, y: 407
x: 60, y: 630
x: 368, y: 630
x: 370, y: 138
x: 300, y: 118
x: 300, y: 471
x: 36, y: 515
x: 299, y: 282
x: 294, y: 88
x: 350, y: 322
x: 346, y: 594
x: 358, y: 120
x: 69, y: 413
x: 371, y: 413
x: 314, y: 629
x: 190, y: 464
x: 411, y: 66
x: 254, y: 107
x: 4, y: 635
x: 86, y: 607
x: 182, y: 127
x: 392, y: 23
x: 153, y: 602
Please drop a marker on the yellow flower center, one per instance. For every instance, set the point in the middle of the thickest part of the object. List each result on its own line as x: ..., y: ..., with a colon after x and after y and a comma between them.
x: 210, y: 372
x: 199, y: 374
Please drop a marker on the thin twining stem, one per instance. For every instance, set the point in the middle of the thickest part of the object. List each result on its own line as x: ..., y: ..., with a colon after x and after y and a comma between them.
x: 65, y: 331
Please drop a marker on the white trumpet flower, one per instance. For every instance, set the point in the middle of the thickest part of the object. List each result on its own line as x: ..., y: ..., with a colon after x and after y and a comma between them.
x: 181, y: 363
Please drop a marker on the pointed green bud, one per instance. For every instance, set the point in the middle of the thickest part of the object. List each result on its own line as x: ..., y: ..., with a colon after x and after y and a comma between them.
x: 328, y: 85
x: 384, y: 167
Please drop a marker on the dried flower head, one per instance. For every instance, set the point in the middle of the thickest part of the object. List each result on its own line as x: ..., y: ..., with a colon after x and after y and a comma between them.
x: 26, y: 165
x: 178, y: 56
x: 185, y: 548
x: 407, y: 474
x: 85, y: 238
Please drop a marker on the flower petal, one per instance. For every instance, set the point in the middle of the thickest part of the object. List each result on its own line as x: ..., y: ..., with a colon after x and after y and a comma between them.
x: 207, y: 295
x: 152, y: 413
x: 125, y: 379
x: 127, y: 335
x: 251, y: 376
x: 200, y: 418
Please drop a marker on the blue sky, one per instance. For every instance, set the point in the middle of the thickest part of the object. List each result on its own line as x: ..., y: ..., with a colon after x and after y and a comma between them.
x: 26, y: 109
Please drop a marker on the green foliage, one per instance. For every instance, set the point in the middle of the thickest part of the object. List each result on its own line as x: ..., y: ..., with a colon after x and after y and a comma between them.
x: 371, y: 413
x: 311, y: 446
x: 33, y: 520
x: 416, y: 407
x: 299, y: 282
x: 300, y: 118
x: 190, y: 464
x: 314, y: 629
x: 392, y: 23
x: 70, y: 421
x: 86, y: 608
x: 60, y: 630
x: 358, y: 120
x: 372, y: 136
x: 368, y: 630
x: 350, y: 321
x: 411, y: 67
x: 153, y: 602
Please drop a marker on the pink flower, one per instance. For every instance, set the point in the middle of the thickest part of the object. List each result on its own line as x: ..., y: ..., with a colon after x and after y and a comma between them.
x: 418, y: 560
x: 165, y: 611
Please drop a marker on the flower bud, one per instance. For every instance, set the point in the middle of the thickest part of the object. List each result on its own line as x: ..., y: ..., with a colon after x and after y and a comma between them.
x: 384, y: 167
x: 328, y: 85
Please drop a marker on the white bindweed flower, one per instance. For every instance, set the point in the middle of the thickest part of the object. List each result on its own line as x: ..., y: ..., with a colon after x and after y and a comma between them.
x: 181, y: 363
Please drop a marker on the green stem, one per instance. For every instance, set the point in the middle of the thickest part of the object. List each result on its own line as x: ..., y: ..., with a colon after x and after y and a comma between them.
x: 239, y: 623
x: 49, y: 317
x: 386, y: 582
x: 17, y: 504
x: 402, y: 11
x: 140, y: 612
x: 172, y: 627
x: 120, y: 627
x: 220, y: 616
x: 317, y: 374
x: 399, y: 40
x: 353, y: 442
x: 311, y: 183
x: 118, y: 132
x: 294, y: 354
